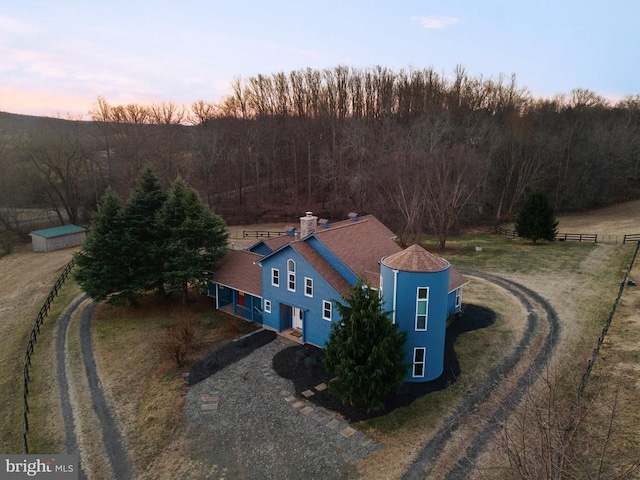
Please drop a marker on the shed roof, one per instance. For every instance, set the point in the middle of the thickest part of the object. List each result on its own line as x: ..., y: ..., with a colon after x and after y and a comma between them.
x: 58, y: 231
x: 239, y: 271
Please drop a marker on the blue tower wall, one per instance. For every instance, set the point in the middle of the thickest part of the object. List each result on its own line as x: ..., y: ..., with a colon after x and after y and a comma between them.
x: 404, y: 285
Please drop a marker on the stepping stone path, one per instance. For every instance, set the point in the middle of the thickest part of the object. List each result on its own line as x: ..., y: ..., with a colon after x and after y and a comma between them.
x: 209, y: 402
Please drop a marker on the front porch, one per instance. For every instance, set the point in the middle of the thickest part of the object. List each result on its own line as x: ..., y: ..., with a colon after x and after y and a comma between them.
x: 288, y: 333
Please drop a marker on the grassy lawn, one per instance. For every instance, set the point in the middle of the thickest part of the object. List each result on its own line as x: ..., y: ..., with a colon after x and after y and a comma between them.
x: 144, y: 384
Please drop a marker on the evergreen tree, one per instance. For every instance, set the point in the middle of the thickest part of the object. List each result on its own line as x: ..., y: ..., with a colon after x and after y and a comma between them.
x: 536, y: 219
x: 141, y: 223
x: 194, y: 238
x: 365, y: 351
x: 102, y: 269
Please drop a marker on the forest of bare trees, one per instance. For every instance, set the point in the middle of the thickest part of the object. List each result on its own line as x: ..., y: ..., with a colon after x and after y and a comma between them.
x: 425, y: 152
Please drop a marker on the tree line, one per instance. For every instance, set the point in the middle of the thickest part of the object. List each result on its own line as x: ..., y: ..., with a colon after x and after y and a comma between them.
x: 424, y: 151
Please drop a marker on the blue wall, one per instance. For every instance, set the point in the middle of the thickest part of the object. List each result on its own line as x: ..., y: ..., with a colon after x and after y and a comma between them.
x: 315, y: 329
x: 406, y: 290
x: 451, y: 301
x: 261, y: 248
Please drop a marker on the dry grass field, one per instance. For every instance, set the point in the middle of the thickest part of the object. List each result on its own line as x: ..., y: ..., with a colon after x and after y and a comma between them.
x: 614, y: 220
x: 26, y: 278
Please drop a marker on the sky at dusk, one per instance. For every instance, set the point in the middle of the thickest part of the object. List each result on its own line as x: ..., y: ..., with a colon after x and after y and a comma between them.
x: 58, y: 56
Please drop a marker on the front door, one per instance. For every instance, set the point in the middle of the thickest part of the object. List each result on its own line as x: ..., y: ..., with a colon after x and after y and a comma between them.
x: 296, y: 318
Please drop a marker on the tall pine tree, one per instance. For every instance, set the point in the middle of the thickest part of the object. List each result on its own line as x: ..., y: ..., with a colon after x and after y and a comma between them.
x: 536, y: 219
x: 365, y: 351
x: 194, y: 238
x: 103, y: 267
x: 141, y: 223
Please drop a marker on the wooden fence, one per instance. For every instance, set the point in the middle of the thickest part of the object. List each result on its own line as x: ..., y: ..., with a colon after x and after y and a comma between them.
x: 605, y: 329
x: 506, y: 231
x: 33, y: 338
x: 561, y: 237
x: 577, y: 237
x: 632, y: 237
x: 261, y: 234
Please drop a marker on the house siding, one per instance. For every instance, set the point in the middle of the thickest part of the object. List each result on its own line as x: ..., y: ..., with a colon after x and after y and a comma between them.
x: 42, y: 244
x: 451, y: 301
x: 261, y: 249
x: 404, y: 286
x: 315, y: 329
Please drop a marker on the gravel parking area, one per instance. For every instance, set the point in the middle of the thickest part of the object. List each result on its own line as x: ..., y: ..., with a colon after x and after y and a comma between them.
x: 247, y: 422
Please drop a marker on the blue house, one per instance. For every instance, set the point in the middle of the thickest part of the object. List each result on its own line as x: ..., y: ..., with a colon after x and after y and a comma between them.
x: 290, y: 283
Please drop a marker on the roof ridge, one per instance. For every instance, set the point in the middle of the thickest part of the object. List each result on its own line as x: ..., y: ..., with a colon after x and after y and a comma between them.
x: 343, y: 224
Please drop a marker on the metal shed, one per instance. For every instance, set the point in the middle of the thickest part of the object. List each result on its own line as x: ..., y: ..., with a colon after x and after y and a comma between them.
x: 57, y: 238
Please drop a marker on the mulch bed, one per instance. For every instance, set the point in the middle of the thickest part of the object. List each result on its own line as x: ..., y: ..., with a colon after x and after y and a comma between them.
x: 228, y: 354
x: 303, y: 365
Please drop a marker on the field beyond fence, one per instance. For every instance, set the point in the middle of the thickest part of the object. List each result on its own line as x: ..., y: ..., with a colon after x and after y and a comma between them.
x: 33, y: 338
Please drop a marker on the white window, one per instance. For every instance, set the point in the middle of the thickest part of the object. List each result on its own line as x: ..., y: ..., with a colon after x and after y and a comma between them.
x: 458, y: 297
x: 291, y: 275
x: 422, y: 308
x: 419, y: 354
x: 275, y: 277
x: 308, y: 287
x: 326, y: 310
x: 267, y: 306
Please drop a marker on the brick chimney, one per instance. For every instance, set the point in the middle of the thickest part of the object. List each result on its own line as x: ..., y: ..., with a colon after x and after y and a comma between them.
x: 308, y: 224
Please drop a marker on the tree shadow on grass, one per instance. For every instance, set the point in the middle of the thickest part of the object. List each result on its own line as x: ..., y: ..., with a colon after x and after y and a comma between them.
x: 303, y: 365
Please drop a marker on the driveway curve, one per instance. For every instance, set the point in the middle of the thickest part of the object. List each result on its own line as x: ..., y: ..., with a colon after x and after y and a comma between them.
x: 528, y: 352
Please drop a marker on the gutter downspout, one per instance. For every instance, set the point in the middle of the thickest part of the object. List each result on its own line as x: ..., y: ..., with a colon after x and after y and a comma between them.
x: 395, y: 290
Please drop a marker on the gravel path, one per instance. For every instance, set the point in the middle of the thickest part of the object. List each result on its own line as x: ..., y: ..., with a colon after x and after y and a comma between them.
x: 114, y: 444
x: 246, y: 420
x: 70, y: 442
x: 428, y: 456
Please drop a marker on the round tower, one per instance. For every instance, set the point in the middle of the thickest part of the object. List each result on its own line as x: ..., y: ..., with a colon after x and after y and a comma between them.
x: 414, y: 287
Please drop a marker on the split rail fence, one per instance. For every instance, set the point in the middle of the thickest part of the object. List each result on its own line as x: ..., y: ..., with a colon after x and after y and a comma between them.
x: 33, y: 338
x: 605, y: 329
x: 579, y: 237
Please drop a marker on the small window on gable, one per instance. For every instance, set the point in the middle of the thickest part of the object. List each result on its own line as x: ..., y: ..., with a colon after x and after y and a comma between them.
x: 308, y: 287
x: 458, y: 297
x: 275, y: 277
x: 267, y: 306
x: 326, y: 310
x: 419, y: 354
x: 422, y: 308
x: 291, y: 275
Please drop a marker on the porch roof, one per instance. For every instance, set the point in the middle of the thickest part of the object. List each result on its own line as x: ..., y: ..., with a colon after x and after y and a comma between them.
x: 240, y: 271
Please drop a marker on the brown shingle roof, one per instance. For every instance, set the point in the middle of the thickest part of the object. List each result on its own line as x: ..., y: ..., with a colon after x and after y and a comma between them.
x: 456, y: 279
x: 239, y: 271
x: 323, y: 267
x: 416, y: 259
x: 360, y: 245
x: 277, y: 242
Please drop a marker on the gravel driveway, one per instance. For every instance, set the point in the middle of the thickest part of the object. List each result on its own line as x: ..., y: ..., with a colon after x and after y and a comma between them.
x: 246, y: 420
